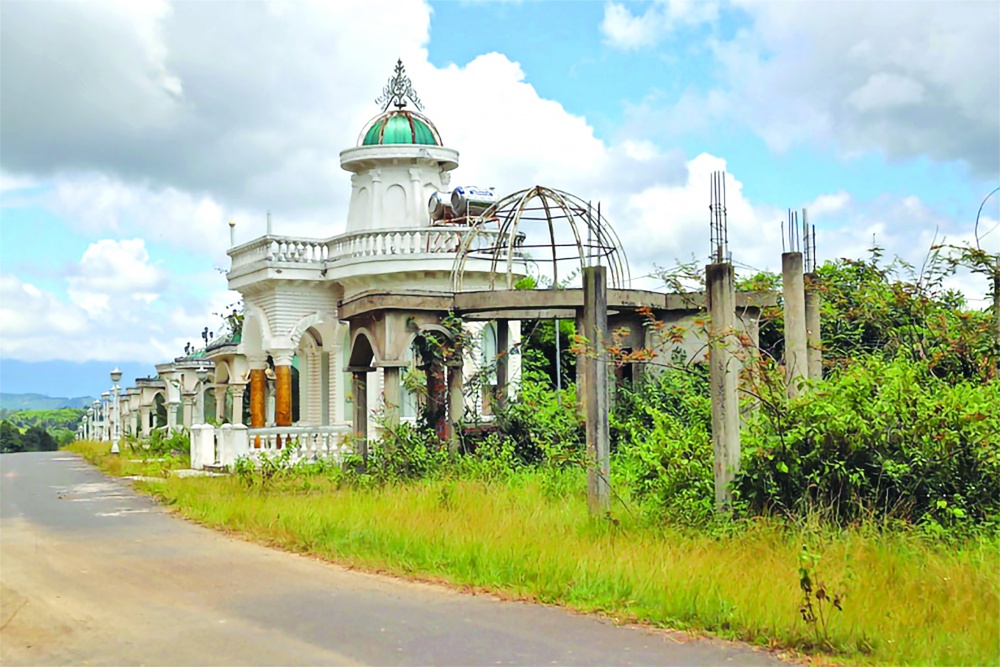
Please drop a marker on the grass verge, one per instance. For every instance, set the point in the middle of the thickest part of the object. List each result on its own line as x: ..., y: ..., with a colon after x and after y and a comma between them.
x: 905, y: 599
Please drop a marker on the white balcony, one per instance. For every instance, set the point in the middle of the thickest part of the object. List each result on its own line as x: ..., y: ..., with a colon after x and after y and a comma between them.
x: 318, y: 256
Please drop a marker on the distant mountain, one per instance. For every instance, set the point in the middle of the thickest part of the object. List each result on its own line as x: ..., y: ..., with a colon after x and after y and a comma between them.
x: 67, y: 378
x: 11, y: 402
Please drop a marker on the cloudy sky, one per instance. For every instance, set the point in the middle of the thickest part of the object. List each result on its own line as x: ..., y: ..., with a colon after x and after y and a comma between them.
x: 132, y: 132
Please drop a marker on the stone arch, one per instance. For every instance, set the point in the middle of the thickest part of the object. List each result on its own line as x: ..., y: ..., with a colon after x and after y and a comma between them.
x: 300, y: 327
x: 307, y: 376
x: 256, y: 329
x: 222, y: 372
x: 436, y: 329
x: 362, y: 351
x: 159, y: 409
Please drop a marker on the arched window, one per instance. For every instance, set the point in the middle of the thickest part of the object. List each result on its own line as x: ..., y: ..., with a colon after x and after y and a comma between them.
x: 410, y: 399
x: 159, y: 411
x: 488, y: 353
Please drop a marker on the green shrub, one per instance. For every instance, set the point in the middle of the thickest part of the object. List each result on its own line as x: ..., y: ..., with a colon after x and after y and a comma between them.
x: 406, y: 451
x: 880, y: 438
x: 544, y: 425
x: 663, y: 449
x: 161, y: 444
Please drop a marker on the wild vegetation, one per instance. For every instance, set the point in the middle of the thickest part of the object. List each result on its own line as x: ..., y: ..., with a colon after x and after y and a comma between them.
x: 866, y: 516
x: 38, y: 430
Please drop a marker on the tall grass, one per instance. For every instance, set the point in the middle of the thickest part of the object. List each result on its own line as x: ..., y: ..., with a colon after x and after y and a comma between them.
x: 905, y: 599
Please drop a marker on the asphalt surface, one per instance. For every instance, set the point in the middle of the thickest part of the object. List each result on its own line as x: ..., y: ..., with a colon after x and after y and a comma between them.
x: 93, y: 574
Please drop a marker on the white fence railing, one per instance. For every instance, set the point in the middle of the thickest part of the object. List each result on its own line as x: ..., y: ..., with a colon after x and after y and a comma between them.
x: 211, y: 446
x: 374, y: 243
x: 309, y: 442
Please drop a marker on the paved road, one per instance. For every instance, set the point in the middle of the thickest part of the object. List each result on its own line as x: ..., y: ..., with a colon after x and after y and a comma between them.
x: 91, y: 573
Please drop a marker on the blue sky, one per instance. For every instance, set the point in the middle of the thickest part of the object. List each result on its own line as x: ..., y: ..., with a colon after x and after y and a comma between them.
x: 133, y: 133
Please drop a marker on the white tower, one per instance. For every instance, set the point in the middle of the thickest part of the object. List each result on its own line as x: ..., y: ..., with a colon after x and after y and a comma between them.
x: 398, y: 164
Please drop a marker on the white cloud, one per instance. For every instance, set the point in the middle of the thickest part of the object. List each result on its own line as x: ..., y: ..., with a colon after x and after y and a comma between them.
x: 883, y: 91
x: 906, y: 79
x: 201, y: 125
x: 624, y: 30
x: 100, y: 203
x: 27, y: 311
x: 121, y: 306
x: 920, y: 78
x: 115, y: 272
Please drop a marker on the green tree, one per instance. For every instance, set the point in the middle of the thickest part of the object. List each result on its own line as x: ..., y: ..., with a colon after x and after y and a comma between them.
x: 10, y: 438
x: 37, y: 439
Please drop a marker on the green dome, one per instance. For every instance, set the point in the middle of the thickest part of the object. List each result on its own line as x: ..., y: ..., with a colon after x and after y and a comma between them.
x: 400, y: 127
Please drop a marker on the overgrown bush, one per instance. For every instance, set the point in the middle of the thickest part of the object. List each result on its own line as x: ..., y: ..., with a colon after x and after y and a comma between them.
x: 161, y: 444
x: 879, y: 438
x: 889, y: 309
x: 406, y: 451
x: 495, y: 458
x: 544, y: 424
x: 663, y: 450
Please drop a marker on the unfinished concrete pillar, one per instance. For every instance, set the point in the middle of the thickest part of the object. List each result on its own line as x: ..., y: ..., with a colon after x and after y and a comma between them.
x: 595, y: 321
x: 581, y: 365
x: 814, y: 342
x: 793, y: 292
x: 456, y: 402
x: 724, y: 372
x: 749, y: 386
x: 360, y: 390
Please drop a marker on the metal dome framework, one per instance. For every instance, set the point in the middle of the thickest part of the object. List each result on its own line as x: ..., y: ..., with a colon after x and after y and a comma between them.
x: 545, y: 228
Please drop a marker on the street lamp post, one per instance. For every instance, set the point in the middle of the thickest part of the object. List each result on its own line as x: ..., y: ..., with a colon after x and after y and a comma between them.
x: 116, y: 375
x: 105, y: 416
x: 94, y: 426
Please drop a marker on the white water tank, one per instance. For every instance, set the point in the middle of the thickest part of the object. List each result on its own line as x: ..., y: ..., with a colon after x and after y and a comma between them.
x: 470, y: 200
x: 439, y: 207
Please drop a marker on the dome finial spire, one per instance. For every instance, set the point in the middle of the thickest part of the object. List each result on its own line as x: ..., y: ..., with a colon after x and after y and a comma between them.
x: 398, y: 90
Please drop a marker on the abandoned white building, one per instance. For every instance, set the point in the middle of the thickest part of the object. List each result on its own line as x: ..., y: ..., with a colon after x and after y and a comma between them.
x: 332, y: 327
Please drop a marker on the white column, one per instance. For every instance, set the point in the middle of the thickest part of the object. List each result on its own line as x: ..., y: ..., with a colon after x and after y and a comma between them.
x: 417, y: 205
x: 237, y: 416
x: 376, y: 199
x: 220, y: 402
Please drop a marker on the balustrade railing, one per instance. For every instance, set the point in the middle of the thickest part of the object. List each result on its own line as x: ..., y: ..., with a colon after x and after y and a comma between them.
x: 309, y: 442
x: 374, y: 243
